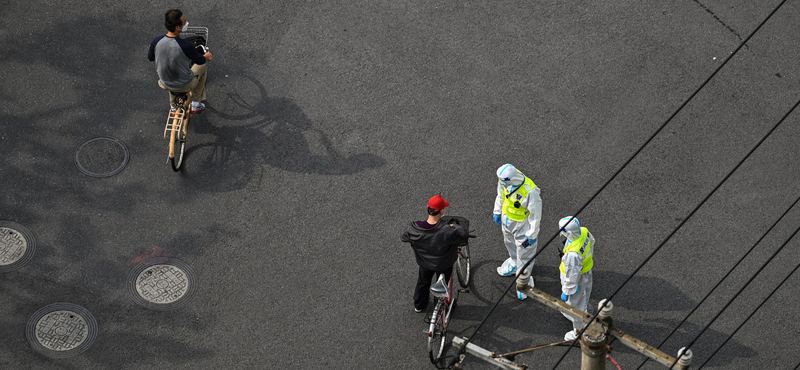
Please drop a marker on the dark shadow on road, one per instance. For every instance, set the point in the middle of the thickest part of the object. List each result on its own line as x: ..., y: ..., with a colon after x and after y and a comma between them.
x: 259, y: 130
x: 531, y: 317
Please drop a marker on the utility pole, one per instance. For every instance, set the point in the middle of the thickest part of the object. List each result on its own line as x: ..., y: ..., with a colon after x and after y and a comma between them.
x: 594, y: 341
x: 594, y: 347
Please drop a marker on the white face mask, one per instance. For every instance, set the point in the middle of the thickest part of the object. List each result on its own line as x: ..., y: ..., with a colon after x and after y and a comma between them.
x: 185, y: 26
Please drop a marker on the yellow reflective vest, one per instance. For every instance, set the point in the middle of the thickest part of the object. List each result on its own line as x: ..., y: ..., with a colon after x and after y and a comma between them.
x: 512, y: 202
x: 582, y: 246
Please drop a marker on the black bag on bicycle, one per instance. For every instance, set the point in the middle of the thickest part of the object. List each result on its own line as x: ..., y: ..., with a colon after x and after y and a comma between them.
x: 199, y: 43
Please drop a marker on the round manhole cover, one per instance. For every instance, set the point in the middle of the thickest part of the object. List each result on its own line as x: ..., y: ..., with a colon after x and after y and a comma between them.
x: 102, y: 157
x: 17, y: 246
x: 61, y: 330
x: 162, y: 283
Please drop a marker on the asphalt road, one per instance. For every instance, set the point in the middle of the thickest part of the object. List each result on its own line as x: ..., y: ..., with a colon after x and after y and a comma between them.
x: 329, y: 126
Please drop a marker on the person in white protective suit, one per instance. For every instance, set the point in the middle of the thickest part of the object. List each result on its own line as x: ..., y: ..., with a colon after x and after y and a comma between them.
x: 518, y: 209
x: 576, y: 268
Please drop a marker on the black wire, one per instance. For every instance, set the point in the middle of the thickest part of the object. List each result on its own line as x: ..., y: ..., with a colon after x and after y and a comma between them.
x: 682, y: 223
x: 723, y: 279
x: 701, y: 203
x: 441, y: 360
x: 738, y: 292
x: 491, y: 310
x: 748, y: 317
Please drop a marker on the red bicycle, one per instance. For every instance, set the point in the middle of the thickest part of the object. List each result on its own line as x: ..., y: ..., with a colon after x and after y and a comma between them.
x: 446, y: 296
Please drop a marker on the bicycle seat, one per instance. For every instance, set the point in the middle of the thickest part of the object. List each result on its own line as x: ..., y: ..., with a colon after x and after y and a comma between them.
x: 183, y: 94
x: 439, y: 289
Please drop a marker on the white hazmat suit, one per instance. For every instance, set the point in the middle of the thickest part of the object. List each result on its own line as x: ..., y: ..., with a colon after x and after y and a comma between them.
x: 576, y: 286
x: 519, y: 207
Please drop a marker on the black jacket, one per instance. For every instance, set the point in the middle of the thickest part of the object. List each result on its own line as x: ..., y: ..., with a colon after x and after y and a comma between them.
x: 436, y: 249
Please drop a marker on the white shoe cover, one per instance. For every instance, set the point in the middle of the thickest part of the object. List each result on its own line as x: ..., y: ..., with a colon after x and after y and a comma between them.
x: 508, y: 268
x: 571, y: 335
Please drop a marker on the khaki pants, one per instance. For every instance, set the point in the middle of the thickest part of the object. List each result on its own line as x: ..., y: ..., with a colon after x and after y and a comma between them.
x: 197, y: 85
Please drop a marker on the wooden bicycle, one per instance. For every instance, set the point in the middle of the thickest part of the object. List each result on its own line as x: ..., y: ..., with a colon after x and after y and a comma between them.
x: 176, y: 128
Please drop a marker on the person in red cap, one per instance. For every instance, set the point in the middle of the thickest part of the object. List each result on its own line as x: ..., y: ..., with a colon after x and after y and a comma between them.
x: 435, y: 246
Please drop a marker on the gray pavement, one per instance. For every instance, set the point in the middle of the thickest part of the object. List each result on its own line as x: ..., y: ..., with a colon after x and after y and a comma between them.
x: 329, y: 126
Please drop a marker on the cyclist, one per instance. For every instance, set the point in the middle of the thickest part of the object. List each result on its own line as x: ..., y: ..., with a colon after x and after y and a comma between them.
x: 435, y: 247
x: 174, y: 57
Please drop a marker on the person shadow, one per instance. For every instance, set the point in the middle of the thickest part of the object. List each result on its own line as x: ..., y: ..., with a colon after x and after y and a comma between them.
x: 252, y: 131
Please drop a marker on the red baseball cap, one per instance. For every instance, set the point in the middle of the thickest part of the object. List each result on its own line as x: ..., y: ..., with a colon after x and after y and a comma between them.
x: 438, y: 203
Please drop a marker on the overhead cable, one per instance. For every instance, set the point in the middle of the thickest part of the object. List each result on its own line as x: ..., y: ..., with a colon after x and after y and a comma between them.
x: 749, y: 316
x: 689, y: 346
x: 680, y: 225
x: 722, y: 279
x: 624, y: 165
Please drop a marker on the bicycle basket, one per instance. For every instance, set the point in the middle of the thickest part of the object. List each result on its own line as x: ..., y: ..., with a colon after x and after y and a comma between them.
x: 196, y: 35
x: 456, y: 219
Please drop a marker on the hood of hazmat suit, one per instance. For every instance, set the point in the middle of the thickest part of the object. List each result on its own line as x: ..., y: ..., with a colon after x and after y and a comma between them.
x: 570, y: 229
x: 509, y: 176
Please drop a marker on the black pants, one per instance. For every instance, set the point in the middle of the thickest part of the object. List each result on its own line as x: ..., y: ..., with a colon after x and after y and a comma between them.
x: 422, y: 291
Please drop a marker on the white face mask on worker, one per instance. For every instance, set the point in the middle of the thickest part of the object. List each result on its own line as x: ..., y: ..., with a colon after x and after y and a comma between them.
x: 185, y: 26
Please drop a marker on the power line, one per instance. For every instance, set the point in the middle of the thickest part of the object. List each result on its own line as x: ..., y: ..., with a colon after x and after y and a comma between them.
x: 739, y: 292
x: 681, y: 224
x: 505, y: 292
x: 748, y: 317
x: 491, y: 310
x: 723, y: 279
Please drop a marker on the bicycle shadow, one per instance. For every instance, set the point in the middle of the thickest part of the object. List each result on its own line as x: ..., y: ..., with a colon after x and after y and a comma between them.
x: 253, y: 131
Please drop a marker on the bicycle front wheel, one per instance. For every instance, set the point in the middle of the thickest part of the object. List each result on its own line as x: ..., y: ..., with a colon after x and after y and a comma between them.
x: 438, y: 333
x: 463, y: 266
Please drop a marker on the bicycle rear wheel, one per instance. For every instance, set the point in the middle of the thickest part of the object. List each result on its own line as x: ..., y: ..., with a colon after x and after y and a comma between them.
x: 177, y: 158
x: 180, y: 144
x: 463, y: 266
x: 438, y: 332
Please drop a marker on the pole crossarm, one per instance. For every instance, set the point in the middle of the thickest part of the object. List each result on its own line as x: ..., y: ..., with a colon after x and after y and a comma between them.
x: 623, y: 337
x: 488, y: 356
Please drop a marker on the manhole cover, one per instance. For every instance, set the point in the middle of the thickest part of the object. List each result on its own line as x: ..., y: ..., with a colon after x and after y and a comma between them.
x: 102, y: 157
x: 17, y: 246
x: 61, y: 330
x: 162, y: 283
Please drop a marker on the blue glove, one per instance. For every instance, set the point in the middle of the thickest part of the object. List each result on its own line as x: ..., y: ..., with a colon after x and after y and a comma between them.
x: 497, y: 219
x: 528, y: 242
x: 564, y: 297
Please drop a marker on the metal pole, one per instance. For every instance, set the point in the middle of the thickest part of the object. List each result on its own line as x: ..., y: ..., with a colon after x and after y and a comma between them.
x: 594, y: 347
x: 605, y: 316
x: 488, y: 356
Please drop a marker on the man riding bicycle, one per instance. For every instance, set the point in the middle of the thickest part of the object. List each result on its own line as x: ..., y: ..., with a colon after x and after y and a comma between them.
x: 435, y: 248
x: 174, y: 57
